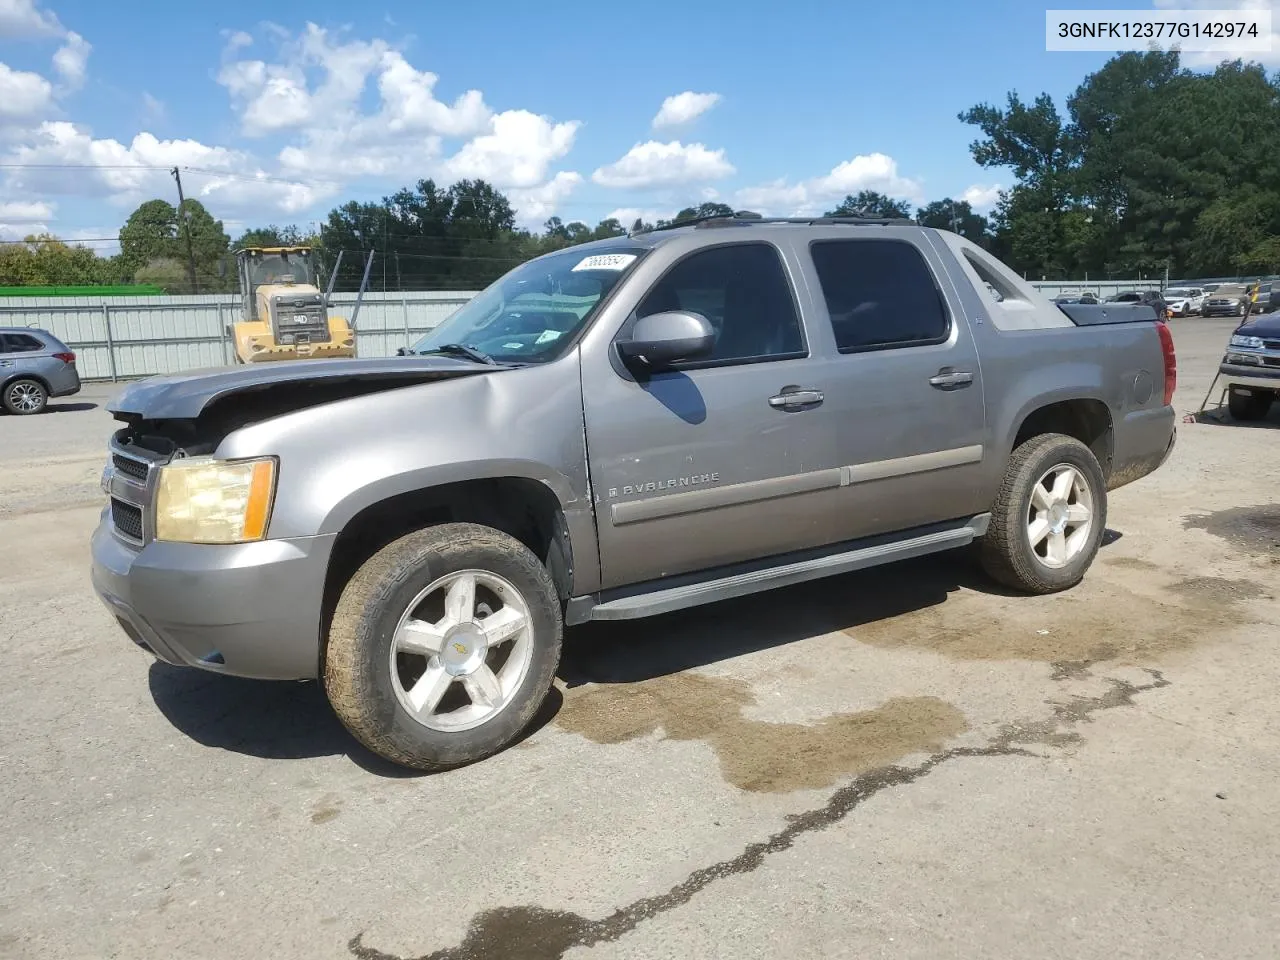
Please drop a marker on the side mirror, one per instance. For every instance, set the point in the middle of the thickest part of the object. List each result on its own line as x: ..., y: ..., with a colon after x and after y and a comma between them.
x: 661, y: 339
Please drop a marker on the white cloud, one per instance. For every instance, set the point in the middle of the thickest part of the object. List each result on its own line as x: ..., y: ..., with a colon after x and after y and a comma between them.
x: 872, y: 171
x: 517, y: 153
x: 24, y: 18
x: 126, y: 175
x: 655, y: 164
x: 318, y: 87
x: 684, y: 108
x: 982, y: 197
x: 25, y: 211
x: 24, y: 96
x: 535, y: 204
x: 627, y: 216
x: 72, y: 59
x: 1205, y: 58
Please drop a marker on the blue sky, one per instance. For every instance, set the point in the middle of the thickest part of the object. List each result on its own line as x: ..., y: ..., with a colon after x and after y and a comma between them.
x: 785, y: 107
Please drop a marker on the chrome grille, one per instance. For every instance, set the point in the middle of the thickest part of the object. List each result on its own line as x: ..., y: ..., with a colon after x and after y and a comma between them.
x: 134, y: 469
x: 129, y: 482
x: 127, y: 519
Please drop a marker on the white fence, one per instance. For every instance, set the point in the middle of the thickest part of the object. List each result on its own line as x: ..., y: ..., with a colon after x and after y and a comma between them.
x: 1099, y: 288
x: 124, y: 338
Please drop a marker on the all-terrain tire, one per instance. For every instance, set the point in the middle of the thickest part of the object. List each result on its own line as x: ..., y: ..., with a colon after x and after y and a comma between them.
x: 357, y: 666
x: 1249, y: 406
x: 24, y: 396
x: 1005, y: 550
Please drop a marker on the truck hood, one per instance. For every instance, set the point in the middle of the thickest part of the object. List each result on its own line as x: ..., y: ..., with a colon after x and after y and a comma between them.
x: 1267, y: 326
x: 188, y: 395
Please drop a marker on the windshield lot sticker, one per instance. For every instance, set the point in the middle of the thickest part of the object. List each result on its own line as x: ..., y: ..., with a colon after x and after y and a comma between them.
x: 606, y: 261
x: 547, y: 336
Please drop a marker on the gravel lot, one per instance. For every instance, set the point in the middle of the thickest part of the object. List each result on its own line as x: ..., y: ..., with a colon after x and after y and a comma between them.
x: 901, y: 763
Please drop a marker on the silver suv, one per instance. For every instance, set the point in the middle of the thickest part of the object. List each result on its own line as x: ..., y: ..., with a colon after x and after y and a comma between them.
x: 34, y: 366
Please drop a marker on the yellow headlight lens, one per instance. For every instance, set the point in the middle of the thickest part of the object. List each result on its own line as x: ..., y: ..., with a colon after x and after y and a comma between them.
x: 201, y: 500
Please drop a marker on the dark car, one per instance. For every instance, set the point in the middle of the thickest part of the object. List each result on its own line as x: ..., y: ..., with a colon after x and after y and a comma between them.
x: 1229, y: 300
x: 1250, y: 369
x: 1151, y: 297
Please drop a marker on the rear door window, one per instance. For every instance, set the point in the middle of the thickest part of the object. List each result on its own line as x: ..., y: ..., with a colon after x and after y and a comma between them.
x: 880, y: 294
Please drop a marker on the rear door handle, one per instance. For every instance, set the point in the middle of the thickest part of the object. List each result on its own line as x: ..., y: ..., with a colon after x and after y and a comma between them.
x: 951, y: 379
x: 793, y: 397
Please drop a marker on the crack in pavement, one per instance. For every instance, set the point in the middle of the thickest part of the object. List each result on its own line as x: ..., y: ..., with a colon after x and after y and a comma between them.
x: 536, y: 933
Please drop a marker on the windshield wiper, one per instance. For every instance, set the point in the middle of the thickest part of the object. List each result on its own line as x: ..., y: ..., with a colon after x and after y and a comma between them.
x: 460, y: 350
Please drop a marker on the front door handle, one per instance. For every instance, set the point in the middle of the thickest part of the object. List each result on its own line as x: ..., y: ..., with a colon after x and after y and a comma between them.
x: 949, y: 378
x: 795, y: 397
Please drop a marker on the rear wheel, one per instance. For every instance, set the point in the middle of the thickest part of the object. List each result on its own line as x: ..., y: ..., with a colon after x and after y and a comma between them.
x: 24, y: 397
x: 443, y: 646
x: 1249, y: 406
x: 1049, y: 517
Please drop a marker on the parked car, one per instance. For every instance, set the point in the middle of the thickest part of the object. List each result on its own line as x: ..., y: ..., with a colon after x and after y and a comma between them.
x: 34, y: 366
x: 617, y: 430
x: 1151, y: 298
x: 1250, y: 368
x: 1184, y: 301
x: 1228, y: 300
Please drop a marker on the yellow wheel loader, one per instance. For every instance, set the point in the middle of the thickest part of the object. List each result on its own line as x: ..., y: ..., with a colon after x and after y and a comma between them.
x: 284, y: 314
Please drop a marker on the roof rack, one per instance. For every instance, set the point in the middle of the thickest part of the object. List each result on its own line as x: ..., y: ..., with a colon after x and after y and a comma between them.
x: 744, y: 218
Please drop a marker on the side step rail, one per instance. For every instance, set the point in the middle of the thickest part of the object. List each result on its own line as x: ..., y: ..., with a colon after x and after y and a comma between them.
x: 665, y: 600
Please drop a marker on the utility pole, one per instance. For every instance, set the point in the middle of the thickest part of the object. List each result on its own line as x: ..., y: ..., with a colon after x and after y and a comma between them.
x: 186, y: 229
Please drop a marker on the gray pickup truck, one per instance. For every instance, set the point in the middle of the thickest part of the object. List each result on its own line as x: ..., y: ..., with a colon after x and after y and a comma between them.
x: 617, y: 430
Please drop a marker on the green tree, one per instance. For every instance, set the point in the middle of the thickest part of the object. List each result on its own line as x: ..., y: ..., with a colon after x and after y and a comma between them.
x: 1155, y: 167
x: 154, y: 232
x: 167, y: 273
x: 149, y: 234
x: 956, y: 216
x: 705, y: 210
x: 871, y: 203
x: 273, y: 236
x: 44, y: 260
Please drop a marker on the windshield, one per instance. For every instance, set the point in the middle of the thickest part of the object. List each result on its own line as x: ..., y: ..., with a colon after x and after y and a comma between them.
x: 526, y: 315
x: 1177, y: 292
x: 279, y: 268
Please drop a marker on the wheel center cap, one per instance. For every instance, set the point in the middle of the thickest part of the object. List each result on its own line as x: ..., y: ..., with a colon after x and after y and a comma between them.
x: 463, y: 650
x: 1058, y: 516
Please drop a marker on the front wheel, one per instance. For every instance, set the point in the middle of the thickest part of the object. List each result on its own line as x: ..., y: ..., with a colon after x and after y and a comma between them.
x: 443, y: 646
x: 1249, y: 406
x: 1049, y: 517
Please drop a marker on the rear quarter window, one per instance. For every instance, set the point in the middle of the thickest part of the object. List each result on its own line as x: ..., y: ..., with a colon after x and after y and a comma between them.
x: 19, y: 343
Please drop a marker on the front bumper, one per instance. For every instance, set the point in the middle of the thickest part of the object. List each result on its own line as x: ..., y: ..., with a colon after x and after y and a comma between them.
x: 250, y: 610
x: 1250, y: 375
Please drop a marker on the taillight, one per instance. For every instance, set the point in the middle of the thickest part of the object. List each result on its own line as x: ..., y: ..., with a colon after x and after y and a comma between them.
x: 1170, y: 362
x: 65, y: 357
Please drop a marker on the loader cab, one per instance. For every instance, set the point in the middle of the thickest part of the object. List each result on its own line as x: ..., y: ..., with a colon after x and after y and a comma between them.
x: 267, y: 267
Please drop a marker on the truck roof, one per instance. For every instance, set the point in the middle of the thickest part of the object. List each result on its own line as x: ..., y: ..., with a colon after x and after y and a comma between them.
x: 656, y: 236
